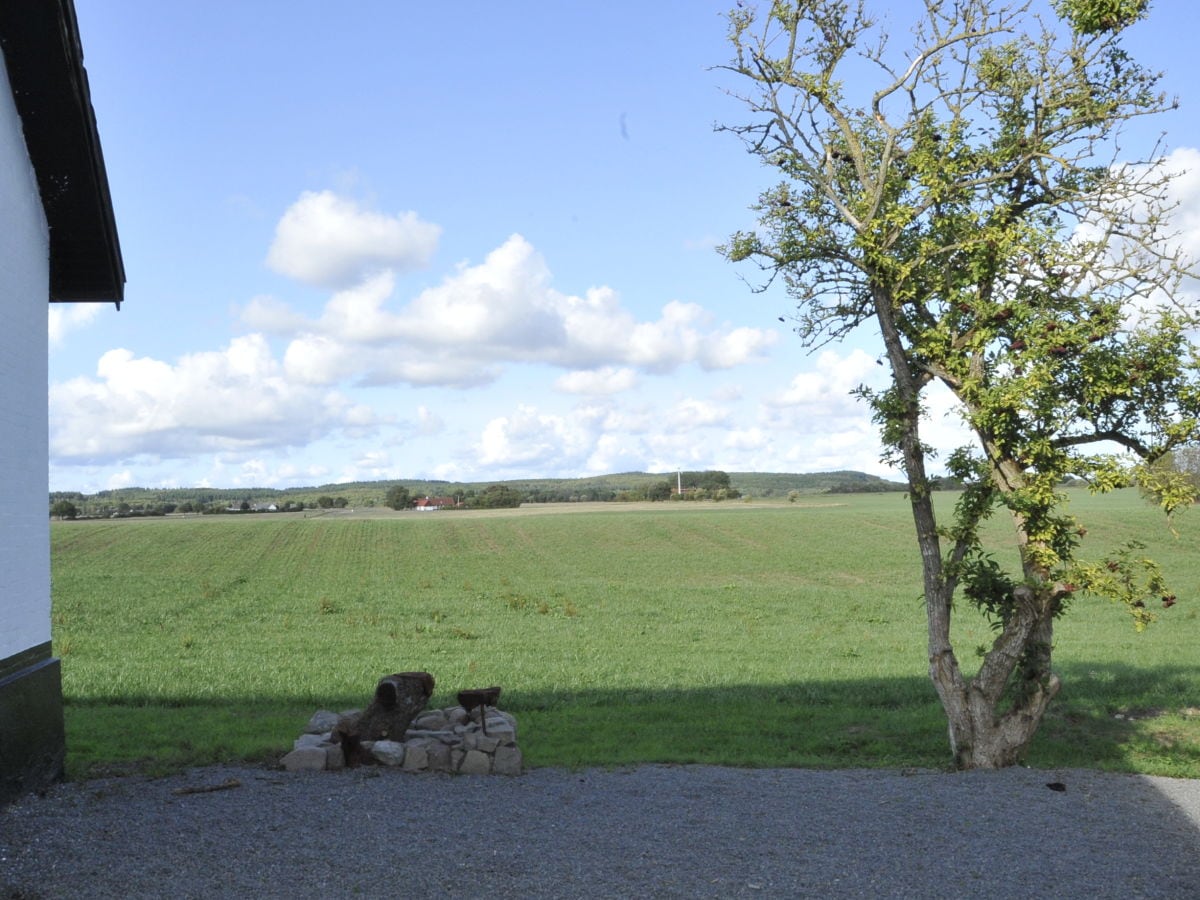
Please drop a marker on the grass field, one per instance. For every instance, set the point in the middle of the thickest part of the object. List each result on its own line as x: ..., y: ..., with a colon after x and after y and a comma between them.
x: 740, y: 633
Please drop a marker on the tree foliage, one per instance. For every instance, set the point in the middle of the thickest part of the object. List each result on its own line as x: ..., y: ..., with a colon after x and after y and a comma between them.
x: 398, y: 497
x: 496, y: 496
x: 965, y: 192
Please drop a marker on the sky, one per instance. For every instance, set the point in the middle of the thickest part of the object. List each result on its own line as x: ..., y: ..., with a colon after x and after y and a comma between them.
x: 464, y: 241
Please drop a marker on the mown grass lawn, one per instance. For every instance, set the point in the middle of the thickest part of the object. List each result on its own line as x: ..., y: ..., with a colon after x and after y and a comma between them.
x: 740, y: 633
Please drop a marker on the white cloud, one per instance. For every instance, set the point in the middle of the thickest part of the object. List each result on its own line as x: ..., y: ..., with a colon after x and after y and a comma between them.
x: 236, y: 398
x: 66, y: 317
x: 252, y: 469
x: 119, y: 480
x: 529, y: 437
x: 614, y: 453
x: 503, y: 310
x: 691, y: 414
x: 429, y: 422
x: 827, y: 387
x: 329, y: 241
x: 272, y: 316
x: 606, y: 380
x: 1184, y: 189
x: 315, y: 360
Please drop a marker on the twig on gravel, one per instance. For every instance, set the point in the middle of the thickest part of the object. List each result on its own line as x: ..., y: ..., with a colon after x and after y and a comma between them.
x: 209, y: 788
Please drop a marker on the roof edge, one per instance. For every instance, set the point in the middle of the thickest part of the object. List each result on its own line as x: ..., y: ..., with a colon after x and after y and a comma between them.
x: 43, y: 53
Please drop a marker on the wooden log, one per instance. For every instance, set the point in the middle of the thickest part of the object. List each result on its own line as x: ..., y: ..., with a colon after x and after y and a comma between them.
x: 398, y: 700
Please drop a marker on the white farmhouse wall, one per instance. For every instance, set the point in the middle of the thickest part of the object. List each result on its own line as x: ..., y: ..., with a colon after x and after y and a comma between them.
x: 24, y: 480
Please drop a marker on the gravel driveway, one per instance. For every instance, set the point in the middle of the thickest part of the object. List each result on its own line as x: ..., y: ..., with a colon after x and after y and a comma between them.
x: 650, y: 831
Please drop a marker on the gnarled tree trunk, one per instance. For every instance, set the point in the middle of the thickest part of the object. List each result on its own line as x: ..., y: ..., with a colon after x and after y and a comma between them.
x: 983, y: 734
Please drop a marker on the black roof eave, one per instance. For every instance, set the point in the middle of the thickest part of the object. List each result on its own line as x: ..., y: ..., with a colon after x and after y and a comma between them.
x: 44, y: 58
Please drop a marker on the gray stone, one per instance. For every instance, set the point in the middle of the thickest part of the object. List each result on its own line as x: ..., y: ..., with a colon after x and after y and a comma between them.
x: 421, y: 734
x: 308, y: 739
x: 476, y: 762
x: 456, y: 715
x: 507, y: 761
x: 305, y: 759
x: 416, y: 758
x: 486, y: 742
x: 335, y: 757
x: 390, y: 753
x: 322, y: 721
x: 502, y: 735
x: 439, y: 758
x: 434, y: 720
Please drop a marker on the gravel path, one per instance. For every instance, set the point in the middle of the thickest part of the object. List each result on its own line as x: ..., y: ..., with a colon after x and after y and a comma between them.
x: 651, y: 831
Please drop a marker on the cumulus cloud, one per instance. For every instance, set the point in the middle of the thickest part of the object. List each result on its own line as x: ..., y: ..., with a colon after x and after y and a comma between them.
x: 329, y: 241
x: 429, y: 422
x: 1170, y: 188
x: 501, y: 311
x: 235, y: 398
x: 692, y: 413
x: 529, y: 437
x: 67, y: 317
x: 271, y: 316
x: 606, y: 380
x: 1184, y: 190
x: 251, y: 403
x: 826, y: 387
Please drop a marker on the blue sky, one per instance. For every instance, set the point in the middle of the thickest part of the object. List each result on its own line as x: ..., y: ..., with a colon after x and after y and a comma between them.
x: 468, y: 241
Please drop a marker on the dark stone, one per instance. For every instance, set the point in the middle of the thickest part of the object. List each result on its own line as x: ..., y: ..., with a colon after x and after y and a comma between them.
x: 481, y: 699
x: 32, y: 736
x: 398, y: 700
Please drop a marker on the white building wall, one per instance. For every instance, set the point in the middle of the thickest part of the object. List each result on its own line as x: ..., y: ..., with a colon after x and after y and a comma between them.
x: 24, y: 453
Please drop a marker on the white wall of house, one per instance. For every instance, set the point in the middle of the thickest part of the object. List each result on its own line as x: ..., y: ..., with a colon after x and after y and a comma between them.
x: 24, y: 482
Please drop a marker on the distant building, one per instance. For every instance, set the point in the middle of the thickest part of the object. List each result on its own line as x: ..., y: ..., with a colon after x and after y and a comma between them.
x: 58, y: 242
x: 428, y: 504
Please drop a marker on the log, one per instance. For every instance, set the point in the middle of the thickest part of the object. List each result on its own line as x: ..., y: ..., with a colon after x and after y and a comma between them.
x: 398, y: 700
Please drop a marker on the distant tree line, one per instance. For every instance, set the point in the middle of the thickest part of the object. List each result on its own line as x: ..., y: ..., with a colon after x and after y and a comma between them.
x: 73, y: 505
x: 709, y: 485
x: 496, y: 496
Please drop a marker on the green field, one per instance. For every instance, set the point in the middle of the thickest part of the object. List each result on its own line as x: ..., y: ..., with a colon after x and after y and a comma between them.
x: 739, y: 633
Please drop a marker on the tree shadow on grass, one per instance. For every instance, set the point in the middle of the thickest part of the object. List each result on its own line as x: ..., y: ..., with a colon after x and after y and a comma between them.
x: 1108, y: 717
x: 1118, y: 718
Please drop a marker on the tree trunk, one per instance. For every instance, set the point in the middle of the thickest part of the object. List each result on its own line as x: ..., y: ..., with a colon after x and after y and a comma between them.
x: 982, y: 737
x: 982, y: 740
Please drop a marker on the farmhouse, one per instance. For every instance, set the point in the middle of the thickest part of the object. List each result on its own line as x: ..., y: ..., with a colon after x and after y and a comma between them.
x: 428, y: 504
x: 58, y: 242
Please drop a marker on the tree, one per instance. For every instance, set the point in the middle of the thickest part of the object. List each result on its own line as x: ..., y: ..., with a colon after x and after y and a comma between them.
x: 970, y: 206
x: 397, y: 497
x: 64, y: 509
x: 660, y: 490
x: 497, y: 496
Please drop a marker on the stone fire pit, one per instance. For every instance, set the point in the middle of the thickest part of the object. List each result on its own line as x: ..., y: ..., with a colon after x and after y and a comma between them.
x: 480, y: 742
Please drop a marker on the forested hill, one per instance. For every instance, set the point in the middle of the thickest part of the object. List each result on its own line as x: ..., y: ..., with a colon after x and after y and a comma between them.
x: 621, y: 486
